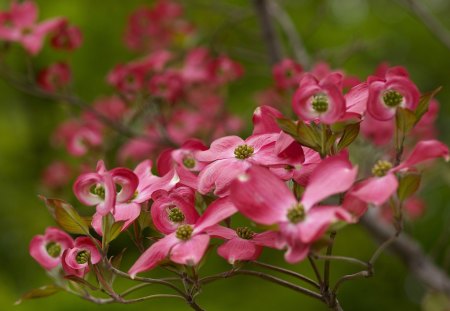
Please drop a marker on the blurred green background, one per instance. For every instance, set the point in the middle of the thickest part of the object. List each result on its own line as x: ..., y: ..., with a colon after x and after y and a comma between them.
x: 352, y: 34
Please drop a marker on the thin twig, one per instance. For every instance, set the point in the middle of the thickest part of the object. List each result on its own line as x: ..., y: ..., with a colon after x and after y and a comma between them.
x: 287, y: 272
x: 341, y: 258
x: 316, y: 270
x: 326, y: 269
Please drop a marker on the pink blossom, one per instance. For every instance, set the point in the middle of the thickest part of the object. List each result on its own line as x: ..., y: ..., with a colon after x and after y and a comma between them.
x: 378, y: 189
x: 66, y: 37
x: 287, y: 74
x: 320, y: 99
x: 111, y: 107
x: 173, y: 209
x: 76, y: 260
x: 56, y: 175
x: 231, y: 155
x: 379, y: 132
x: 47, y: 249
x: 262, y: 197
x: 392, y: 91
x: 242, y: 244
x: 99, y: 188
x: 223, y: 70
x: 19, y: 25
x: 55, y: 77
x: 167, y: 85
x: 195, y: 69
x: 78, y: 136
x: 188, y: 243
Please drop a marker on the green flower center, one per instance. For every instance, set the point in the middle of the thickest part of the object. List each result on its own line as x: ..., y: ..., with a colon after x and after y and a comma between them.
x: 176, y: 215
x: 320, y: 103
x: 184, y: 232
x: 243, y: 152
x: 392, y: 98
x: 83, y: 257
x: 245, y: 233
x: 296, y: 214
x: 99, y: 191
x: 53, y: 249
x: 381, y: 168
x: 189, y: 162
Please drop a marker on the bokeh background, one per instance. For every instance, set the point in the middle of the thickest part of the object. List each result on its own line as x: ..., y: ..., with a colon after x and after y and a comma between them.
x: 354, y: 35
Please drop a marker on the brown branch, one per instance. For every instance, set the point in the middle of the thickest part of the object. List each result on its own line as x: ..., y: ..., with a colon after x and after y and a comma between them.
x: 268, y: 31
x: 410, y: 252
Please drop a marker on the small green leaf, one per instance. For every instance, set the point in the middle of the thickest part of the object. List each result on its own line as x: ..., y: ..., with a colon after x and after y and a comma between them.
x: 43, y: 291
x: 424, y: 103
x: 435, y: 301
x: 81, y: 281
x: 67, y: 217
x: 351, y: 131
x: 288, y: 126
x: 408, y: 185
x: 405, y: 120
x: 308, y: 136
x: 144, y: 220
x: 110, y: 229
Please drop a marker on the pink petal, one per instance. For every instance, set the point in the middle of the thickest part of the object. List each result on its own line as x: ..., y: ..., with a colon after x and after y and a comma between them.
x: 153, y: 255
x: 127, y: 180
x: 190, y: 252
x: 333, y: 175
x: 222, y: 148
x: 376, y: 190
x: 264, y: 120
x: 268, y: 238
x: 82, y: 188
x: 218, y: 231
x: 217, y: 211
x: 261, y: 196
x: 296, y: 253
x: 423, y: 151
x: 39, y: 252
x: 375, y: 106
x: 85, y: 242
x: 356, y: 99
x: 238, y: 249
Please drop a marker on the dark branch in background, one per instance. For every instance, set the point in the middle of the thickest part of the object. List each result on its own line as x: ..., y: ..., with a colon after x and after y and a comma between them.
x: 429, y: 20
x: 410, y: 252
x: 268, y: 31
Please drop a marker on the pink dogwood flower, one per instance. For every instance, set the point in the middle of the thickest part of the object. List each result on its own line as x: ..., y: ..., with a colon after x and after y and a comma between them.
x: 287, y: 74
x: 242, y: 244
x: 55, y: 77
x: 66, y: 37
x: 173, y: 209
x: 76, y: 260
x: 47, y: 249
x: 320, y: 99
x: 378, y: 189
x: 392, y: 91
x: 188, y: 243
x: 19, y: 25
x: 99, y: 188
x: 78, y: 137
x: 231, y: 155
x: 128, y: 210
x: 262, y: 197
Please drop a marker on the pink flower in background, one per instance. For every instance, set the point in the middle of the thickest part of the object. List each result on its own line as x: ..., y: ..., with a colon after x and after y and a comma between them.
x: 99, y: 188
x: 242, y: 244
x: 66, y: 37
x: 223, y: 70
x: 413, y: 208
x: 173, y: 209
x: 188, y: 243
x: 425, y: 128
x: 55, y: 77
x: 287, y: 74
x: 167, y: 85
x: 195, y: 69
x: 76, y: 259
x: 56, y: 175
x: 320, y: 100
x: 47, y: 249
x: 377, y: 131
x: 78, y: 137
x: 262, y: 197
x: 138, y: 149
x: 386, y: 94
x: 378, y: 189
x: 231, y: 155
x: 111, y: 107
x: 19, y: 24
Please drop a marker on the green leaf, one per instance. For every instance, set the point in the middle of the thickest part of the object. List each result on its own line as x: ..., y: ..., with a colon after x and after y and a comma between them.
x: 67, y: 217
x: 435, y: 301
x: 110, y: 228
x: 81, y: 281
x: 408, y: 185
x: 43, y: 291
x: 308, y: 136
x: 288, y: 126
x: 351, y: 131
x: 405, y: 120
x: 424, y: 103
